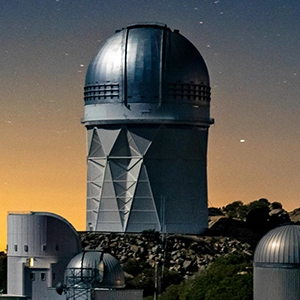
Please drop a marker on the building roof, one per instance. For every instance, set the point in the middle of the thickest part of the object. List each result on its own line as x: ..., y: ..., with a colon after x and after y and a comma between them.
x: 149, y: 70
x: 279, y: 246
x: 41, y: 234
x: 95, y: 269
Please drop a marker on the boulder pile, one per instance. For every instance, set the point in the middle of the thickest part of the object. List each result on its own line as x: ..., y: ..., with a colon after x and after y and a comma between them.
x: 185, y: 254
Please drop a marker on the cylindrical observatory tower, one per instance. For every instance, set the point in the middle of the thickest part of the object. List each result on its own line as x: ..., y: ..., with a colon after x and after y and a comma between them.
x: 147, y: 99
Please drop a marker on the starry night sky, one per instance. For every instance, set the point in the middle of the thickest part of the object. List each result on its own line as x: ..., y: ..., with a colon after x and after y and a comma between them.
x: 252, y: 51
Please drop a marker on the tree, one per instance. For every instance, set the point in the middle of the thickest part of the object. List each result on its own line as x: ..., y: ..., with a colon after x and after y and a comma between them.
x: 227, y: 278
x: 236, y: 209
x: 258, y: 218
x: 143, y: 281
x: 3, y: 272
x: 172, y: 293
x: 237, y: 287
x: 276, y: 205
x: 261, y: 203
x: 134, y: 267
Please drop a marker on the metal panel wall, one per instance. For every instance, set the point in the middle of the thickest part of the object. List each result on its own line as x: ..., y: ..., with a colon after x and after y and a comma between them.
x: 277, y: 283
x: 147, y: 177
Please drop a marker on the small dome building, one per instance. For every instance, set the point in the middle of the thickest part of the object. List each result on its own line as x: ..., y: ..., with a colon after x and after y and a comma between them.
x: 95, y: 269
x: 92, y: 270
x: 277, y: 265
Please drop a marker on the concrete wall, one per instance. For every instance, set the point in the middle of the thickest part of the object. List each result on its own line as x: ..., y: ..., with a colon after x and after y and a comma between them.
x: 117, y: 294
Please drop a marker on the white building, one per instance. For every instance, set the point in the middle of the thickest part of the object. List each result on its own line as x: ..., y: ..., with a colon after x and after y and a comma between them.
x: 40, y: 245
x: 46, y: 262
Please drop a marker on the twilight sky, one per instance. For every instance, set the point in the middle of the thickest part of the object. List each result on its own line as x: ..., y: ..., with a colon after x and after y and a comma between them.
x: 252, y: 51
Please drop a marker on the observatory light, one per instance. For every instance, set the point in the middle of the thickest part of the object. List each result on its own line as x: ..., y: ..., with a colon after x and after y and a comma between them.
x: 31, y: 262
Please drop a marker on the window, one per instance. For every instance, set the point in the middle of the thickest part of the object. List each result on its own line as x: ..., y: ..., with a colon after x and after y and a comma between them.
x: 32, y: 276
x: 26, y: 248
x: 43, y: 276
x: 44, y: 247
x: 16, y: 247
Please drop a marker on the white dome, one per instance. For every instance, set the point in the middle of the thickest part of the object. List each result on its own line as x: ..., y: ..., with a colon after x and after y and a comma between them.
x: 281, y: 245
x: 95, y: 269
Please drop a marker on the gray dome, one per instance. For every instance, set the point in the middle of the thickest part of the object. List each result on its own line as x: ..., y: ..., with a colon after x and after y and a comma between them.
x: 94, y: 269
x: 281, y: 245
x: 146, y: 72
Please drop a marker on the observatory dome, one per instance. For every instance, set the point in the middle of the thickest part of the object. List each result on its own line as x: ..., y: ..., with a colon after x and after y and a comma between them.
x: 94, y: 269
x: 147, y: 73
x: 279, y: 246
x: 276, y: 273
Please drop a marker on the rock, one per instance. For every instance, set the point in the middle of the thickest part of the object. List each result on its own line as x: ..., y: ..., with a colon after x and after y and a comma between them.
x: 184, y: 254
x: 295, y: 215
x: 128, y: 275
x: 278, y: 216
x: 247, y: 253
x: 134, y: 248
x: 187, y: 264
x: 151, y: 257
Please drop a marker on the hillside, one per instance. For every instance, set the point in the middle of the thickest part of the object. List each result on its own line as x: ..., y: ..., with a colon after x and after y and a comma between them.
x: 171, y: 258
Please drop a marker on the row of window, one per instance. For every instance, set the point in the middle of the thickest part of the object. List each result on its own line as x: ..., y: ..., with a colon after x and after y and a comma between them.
x: 194, y: 92
x: 26, y: 248
x: 176, y: 94
x: 42, y: 276
x: 91, y: 98
x: 115, y: 86
x: 189, y: 93
x: 108, y: 85
x: 101, y: 91
x: 189, y: 86
x: 191, y: 97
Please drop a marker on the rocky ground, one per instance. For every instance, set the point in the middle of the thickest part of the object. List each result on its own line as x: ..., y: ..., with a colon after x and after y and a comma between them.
x: 185, y: 254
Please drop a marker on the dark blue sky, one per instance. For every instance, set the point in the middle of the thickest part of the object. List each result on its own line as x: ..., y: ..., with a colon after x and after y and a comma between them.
x: 252, y: 52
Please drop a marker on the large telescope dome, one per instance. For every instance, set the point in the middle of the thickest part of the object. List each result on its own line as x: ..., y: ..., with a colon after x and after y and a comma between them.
x: 147, y: 73
x: 147, y: 100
